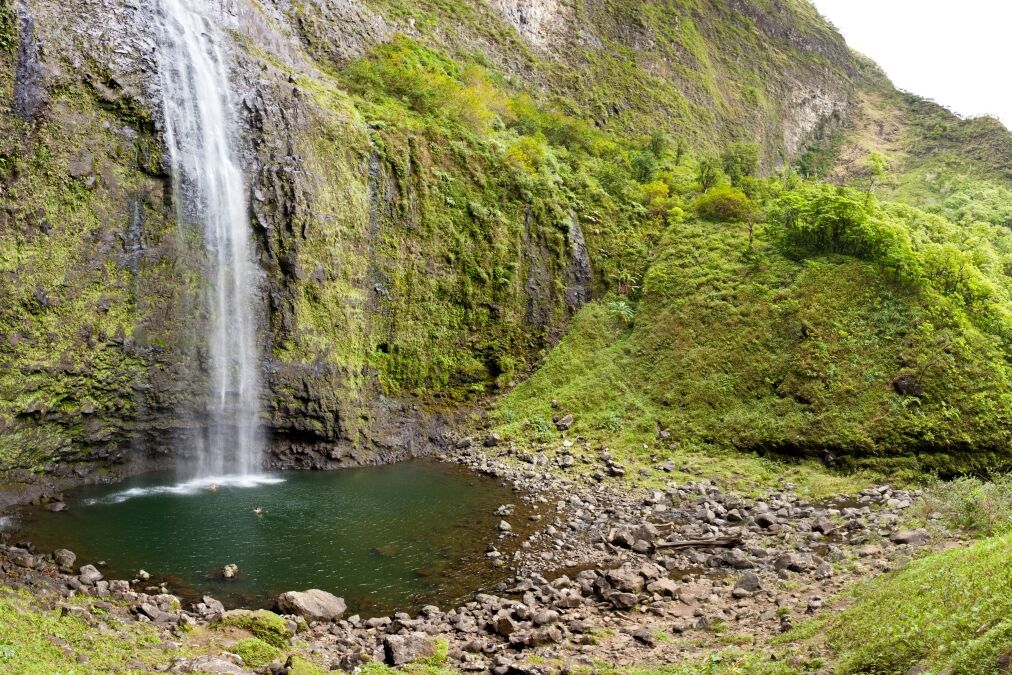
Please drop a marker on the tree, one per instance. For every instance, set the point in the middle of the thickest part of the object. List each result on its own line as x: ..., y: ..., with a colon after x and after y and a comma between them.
x: 740, y: 160
x: 644, y: 165
x: 659, y: 144
x: 708, y: 173
x: 878, y: 169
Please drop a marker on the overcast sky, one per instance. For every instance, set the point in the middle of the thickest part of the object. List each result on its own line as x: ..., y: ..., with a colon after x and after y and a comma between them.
x: 957, y: 52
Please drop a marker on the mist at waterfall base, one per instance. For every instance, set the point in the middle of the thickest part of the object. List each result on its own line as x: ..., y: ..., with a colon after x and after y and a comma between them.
x: 384, y: 538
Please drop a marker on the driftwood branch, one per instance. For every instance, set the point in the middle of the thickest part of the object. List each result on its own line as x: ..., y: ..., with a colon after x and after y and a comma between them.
x: 700, y: 543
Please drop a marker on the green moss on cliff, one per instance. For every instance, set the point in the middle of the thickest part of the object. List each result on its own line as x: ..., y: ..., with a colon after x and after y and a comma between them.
x: 82, y: 225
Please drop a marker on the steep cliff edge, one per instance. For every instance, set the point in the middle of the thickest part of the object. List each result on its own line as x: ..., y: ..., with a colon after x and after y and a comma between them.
x: 434, y: 190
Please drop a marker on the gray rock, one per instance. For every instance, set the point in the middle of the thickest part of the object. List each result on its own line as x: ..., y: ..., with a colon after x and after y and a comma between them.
x: 645, y: 636
x: 209, y: 664
x: 665, y: 587
x: 766, y: 520
x: 213, y: 606
x: 64, y: 558
x: 23, y: 558
x: 155, y: 614
x: 910, y: 537
x: 503, y: 624
x: 403, y: 649
x: 623, y: 600
x: 89, y: 575
x: 564, y: 423
x: 749, y: 583
x: 823, y: 525
x: 313, y: 605
x: 795, y: 562
x: 624, y: 579
x: 543, y: 617
x: 824, y: 571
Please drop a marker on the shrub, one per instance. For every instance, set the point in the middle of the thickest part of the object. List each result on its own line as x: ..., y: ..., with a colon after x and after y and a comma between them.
x: 267, y: 626
x: 254, y: 652
x: 725, y: 204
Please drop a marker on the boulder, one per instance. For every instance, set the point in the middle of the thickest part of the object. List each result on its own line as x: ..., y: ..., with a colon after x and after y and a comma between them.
x: 64, y: 558
x: 564, y: 423
x: 623, y: 600
x: 503, y: 624
x: 89, y: 574
x: 119, y: 586
x: 664, y: 586
x: 911, y: 537
x: 313, y: 605
x: 645, y: 636
x: 403, y: 649
x: 624, y: 579
x: 22, y: 558
x: 748, y: 583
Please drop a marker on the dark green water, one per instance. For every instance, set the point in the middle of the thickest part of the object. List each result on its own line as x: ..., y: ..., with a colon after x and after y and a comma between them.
x: 383, y: 538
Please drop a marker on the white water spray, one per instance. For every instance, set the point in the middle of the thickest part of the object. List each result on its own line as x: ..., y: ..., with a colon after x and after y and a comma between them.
x: 210, y: 193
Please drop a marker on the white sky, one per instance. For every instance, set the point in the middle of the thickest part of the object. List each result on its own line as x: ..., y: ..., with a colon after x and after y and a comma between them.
x: 956, y: 52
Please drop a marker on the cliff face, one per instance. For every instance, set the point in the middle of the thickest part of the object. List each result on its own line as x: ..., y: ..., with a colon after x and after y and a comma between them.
x: 403, y: 254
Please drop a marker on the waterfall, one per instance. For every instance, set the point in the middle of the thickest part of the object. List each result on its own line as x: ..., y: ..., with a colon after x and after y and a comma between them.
x: 210, y: 194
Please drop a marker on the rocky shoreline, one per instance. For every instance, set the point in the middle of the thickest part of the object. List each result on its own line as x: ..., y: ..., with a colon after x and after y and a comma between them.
x: 608, y: 574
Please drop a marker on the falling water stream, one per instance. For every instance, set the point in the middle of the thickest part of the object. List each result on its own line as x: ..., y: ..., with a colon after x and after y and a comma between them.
x: 210, y: 194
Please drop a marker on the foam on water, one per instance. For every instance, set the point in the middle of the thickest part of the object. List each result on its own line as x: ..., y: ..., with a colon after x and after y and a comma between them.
x: 191, y: 487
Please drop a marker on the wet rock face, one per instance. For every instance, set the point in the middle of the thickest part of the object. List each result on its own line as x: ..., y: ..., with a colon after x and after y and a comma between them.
x: 29, y: 90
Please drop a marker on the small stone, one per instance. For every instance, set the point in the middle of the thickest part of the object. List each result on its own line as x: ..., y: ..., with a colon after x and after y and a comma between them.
x: 504, y: 526
x: 565, y: 423
x: 230, y: 571
x: 824, y: 571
